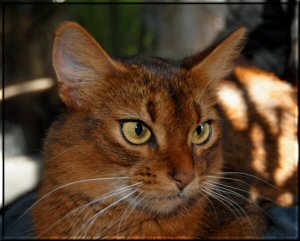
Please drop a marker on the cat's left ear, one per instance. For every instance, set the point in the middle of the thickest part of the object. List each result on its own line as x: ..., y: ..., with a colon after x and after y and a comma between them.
x: 218, y: 62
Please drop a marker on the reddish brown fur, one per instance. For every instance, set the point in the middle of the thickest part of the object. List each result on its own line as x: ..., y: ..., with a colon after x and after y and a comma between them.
x: 86, y: 142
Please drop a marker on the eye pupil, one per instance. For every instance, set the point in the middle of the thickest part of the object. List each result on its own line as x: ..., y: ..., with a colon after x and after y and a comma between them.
x: 139, y: 129
x: 199, y: 129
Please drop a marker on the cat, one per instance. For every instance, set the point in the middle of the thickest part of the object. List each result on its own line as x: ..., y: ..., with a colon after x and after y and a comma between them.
x: 152, y: 148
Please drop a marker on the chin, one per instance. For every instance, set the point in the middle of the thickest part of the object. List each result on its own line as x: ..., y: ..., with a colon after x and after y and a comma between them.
x: 165, y: 206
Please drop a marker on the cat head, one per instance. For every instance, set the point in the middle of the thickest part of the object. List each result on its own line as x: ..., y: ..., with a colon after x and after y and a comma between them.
x: 152, y: 120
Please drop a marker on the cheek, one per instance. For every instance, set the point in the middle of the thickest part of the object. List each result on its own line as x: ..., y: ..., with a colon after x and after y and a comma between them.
x: 209, y: 160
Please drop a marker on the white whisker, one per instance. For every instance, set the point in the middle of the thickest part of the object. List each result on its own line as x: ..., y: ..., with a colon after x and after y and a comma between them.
x: 133, y: 207
x: 102, y: 197
x: 225, y: 188
x: 232, y: 201
x: 63, y: 186
x: 221, y: 198
x: 239, y: 189
x: 207, y: 197
x: 228, y: 178
x: 93, y: 218
x: 250, y: 175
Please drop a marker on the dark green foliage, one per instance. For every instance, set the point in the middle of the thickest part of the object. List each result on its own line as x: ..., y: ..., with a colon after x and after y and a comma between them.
x: 117, y: 27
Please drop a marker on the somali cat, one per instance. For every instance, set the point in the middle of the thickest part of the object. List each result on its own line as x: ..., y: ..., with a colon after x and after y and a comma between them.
x: 148, y: 148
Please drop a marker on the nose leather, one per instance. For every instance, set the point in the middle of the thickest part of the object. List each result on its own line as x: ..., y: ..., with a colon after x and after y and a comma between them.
x: 182, y: 179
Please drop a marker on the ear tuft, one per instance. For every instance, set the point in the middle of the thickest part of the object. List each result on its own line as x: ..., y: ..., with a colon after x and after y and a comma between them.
x: 79, y: 61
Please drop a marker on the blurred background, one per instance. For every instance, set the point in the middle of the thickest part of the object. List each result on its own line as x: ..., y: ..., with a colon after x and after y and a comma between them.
x: 166, y: 30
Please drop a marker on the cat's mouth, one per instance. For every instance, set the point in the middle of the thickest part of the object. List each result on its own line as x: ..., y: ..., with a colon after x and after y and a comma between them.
x: 173, y: 197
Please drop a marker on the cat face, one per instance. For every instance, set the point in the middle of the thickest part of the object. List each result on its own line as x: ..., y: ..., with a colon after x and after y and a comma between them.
x: 149, y: 120
x: 154, y: 124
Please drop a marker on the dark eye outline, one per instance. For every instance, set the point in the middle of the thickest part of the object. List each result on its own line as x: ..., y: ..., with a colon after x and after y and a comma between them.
x: 209, y: 122
x: 149, y: 141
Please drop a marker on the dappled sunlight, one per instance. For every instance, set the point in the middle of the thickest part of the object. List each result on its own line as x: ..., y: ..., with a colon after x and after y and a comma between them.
x: 265, y: 89
x: 258, y: 152
x: 231, y: 99
x: 261, y: 110
x: 286, y: 199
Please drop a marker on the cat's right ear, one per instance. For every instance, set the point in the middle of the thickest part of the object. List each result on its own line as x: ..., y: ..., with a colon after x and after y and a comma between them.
x: 80, y: 63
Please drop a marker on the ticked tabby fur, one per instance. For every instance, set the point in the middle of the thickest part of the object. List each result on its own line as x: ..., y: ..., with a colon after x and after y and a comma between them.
x: 151, y: 148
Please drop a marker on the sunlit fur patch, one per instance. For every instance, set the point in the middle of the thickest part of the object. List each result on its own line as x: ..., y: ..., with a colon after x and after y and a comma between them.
x: 258, y: 151
x: 289, y: 153
x: 268, y: 92
x: 286, y: 199
x: 232, y: 100
x: 265, y: 89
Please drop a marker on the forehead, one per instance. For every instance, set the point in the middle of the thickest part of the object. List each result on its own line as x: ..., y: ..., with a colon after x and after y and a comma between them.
x: 161, y: 86
x: 153, y: 75
x: 158, y: 92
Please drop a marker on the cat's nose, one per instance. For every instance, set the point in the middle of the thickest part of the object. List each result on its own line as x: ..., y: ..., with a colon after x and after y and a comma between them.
x: 182, y: 179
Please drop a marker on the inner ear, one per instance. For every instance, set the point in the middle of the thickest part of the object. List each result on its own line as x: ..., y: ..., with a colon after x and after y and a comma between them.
x: 80, y: 62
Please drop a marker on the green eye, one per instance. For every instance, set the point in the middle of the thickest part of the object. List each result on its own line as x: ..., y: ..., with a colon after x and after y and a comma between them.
x: 136, y: 132
x: 201, y: 134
